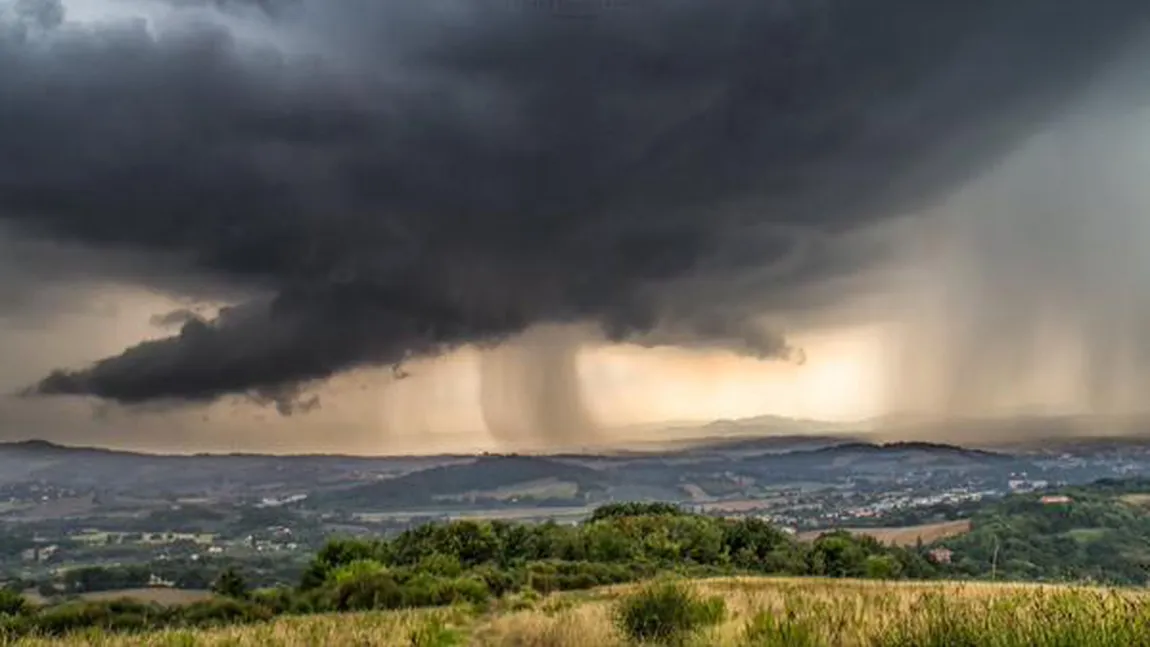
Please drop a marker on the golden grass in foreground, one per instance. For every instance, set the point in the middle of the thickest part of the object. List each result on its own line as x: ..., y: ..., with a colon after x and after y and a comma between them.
x: 761, y: 612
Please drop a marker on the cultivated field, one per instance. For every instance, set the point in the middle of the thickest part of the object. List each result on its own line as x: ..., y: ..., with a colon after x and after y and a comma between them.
x: 1140, y: 500
x: 760, y: 612
x: 907, y: 535
x: 158, y: 594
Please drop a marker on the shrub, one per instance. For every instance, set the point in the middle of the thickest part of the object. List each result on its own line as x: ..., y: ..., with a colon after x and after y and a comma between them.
x: 422, y: 590
x: 766, y: 630
x: 467, y: 589
x: 498, y: 581
x: 13, y: 627
x: 12, y: 603
x: 114, y: 615
x: 524, y: 600
x: 279, y: 599
x: 881, y: 567
x: 230, y: 584
x: 542, y: 578
x: 666, y: 613
x: 618, y: 510
x: 441, y: 564
x: 222, y: 612
x: 363, y: 585
x: 433, y: 633
x: 337, y: 553
x: 425, y: 590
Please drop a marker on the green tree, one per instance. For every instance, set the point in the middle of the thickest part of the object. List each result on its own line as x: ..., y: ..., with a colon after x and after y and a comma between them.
x: 635, y: 510
x: 837, y: 555
x: 881, y: 567
x: 231, y: 584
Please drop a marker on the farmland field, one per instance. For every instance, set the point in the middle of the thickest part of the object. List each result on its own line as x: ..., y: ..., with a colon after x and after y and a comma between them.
x: 1140, y: 500
x: 539, y: 489
x: 158, y: 594
x: 758, y: 612
x: 559, y: 514
x: 906, y: 535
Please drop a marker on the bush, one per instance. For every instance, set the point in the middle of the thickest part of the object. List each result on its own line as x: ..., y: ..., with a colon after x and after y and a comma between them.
x: 433, y: 633
x: 881, y: 567
x: 278, y: 600
x: 619, y: 510
x: 425, y: 590
x: 765, y: 630
x: 666, y: 613
x: 338, y: 553
x: 12, y: 603
x: 363, y: 585
x: 221, y: 612
x: 230, y: 584
x: 114, y: 615
x: 498, y: 581
x: 441, y: 565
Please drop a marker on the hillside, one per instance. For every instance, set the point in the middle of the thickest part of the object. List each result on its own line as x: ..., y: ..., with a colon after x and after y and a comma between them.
x: 757, y: 612
x: 222, y: 475
x: 481, y: 477
x: 1099, y: 532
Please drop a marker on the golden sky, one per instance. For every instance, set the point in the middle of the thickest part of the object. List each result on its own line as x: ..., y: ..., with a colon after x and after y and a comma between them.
x: 437, y: 407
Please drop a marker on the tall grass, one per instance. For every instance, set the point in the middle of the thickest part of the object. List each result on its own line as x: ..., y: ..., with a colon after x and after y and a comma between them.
x: 760, y: 612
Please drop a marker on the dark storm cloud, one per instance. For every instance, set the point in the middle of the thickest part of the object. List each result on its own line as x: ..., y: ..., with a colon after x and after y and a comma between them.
x: 175, y: 318
x: 401, y: 177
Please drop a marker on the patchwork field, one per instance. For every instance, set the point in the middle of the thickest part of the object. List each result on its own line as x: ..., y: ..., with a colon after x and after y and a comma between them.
x: 159, y: 595
x: 1140, y: 500
x: 756, y: 612
x: 907, y: 535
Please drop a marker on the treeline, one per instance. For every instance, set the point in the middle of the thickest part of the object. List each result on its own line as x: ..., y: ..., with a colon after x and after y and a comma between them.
x: 186, y: 573
x: 488, y: 473
x: 476, y: 561
x: 620, y: 542
x: 1094, y: 537
x: 20, y: 618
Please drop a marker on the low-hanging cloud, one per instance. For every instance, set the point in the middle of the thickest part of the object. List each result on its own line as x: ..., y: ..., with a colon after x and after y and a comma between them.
x: 392, y: 179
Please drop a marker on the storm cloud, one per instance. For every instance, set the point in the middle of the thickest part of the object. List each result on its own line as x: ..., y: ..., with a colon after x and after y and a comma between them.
x: 391, y: 179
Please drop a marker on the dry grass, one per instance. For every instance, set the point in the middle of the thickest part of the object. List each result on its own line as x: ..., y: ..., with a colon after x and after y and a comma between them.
x: 383, y: 629
x: 1139, y: 500
x: 740, y: 505
x: 820, y: 612
x: 906, y: 535
x: 159, y: 595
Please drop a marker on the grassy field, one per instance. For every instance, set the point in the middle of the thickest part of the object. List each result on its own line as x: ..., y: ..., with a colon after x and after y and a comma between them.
x: 541, y: 489
x: 1140, y: 500
x: 159, y: 595
x: 760, y: 612
x: 906, y: 535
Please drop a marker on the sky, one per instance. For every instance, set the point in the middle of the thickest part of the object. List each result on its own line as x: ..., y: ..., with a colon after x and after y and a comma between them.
x: 400, y: 225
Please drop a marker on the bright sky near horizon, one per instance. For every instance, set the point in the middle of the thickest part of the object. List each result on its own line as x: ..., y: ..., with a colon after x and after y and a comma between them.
x: 437, y: 405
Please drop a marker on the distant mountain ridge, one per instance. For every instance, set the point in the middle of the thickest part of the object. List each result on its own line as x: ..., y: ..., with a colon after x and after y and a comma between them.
x: 911, y: 445
x: 969, y: 432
